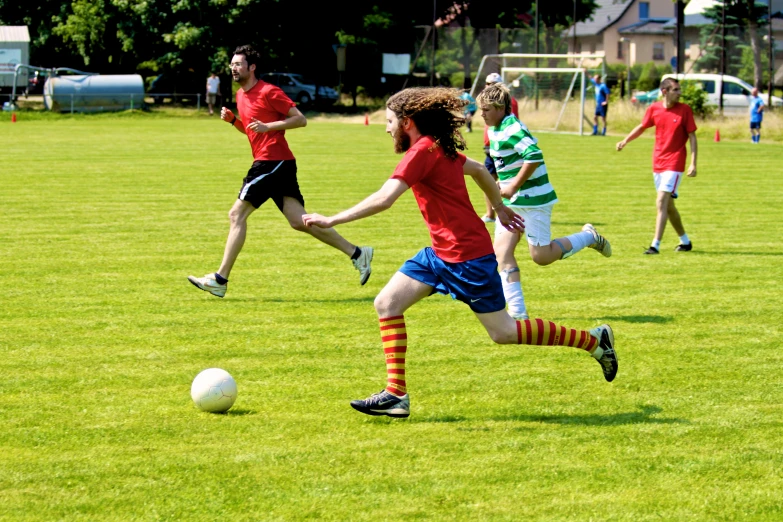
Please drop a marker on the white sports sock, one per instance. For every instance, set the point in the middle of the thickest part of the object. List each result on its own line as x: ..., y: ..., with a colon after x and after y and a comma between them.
x: 578, y: 241
x: 684, y: 239
x: 514, y: 298
x: 656, y: 244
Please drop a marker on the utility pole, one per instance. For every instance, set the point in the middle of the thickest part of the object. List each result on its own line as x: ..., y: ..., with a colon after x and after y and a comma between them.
x: 680, y: 42
x: 537, y: 52
x: 771, y: 57
x: 573, y: 24
x: 432, y: 57
x: 722, y: 54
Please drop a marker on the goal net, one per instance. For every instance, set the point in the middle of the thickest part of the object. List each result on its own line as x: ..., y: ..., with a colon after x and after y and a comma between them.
x: 551, y: 89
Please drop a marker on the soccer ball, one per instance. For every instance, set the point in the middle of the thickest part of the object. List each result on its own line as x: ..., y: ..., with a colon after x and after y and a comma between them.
x: 214, y: 390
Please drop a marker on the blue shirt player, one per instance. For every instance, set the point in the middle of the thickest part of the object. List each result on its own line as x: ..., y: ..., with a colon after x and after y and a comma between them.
x: 756, y: 115
x: 601, y: 103
x: 470, y: 109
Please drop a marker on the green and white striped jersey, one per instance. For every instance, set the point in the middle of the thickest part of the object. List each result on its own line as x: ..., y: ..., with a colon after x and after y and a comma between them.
x: 511, y: 145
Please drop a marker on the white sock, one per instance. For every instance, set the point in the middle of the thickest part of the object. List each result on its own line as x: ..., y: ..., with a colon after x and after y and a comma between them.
x: 578, y: 241
x: 514, y: 298
x: 684, y: 239
x: 656, y: 244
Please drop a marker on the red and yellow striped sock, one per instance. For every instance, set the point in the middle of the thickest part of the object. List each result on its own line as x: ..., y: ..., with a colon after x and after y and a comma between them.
x: 395, y: 344
x: 547, y: 333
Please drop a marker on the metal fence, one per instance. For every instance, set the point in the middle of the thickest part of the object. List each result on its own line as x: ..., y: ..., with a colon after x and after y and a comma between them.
x: 109, y: 101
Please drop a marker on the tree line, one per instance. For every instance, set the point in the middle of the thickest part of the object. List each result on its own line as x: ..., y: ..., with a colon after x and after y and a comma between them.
x: 155, y: 36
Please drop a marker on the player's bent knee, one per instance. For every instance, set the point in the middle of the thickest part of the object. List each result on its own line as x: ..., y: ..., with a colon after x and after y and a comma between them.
x: 298, y: 226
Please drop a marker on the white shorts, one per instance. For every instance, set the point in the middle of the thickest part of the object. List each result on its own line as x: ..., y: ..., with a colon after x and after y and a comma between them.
x: 538, y: 224
x: 667, y: 181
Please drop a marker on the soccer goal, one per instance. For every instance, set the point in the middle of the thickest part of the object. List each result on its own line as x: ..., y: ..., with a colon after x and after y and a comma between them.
x: 550, y: 88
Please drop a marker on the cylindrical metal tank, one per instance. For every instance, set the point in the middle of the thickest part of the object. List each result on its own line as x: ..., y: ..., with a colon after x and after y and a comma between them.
x: 95, y: 93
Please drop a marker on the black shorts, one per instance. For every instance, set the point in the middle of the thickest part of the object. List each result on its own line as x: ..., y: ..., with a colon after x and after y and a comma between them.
x: 274, y: 179
x: 755, y: 125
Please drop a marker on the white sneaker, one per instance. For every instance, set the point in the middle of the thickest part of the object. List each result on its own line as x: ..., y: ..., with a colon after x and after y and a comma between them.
x: 208, y: 283
x: 362, y: 263
x: 487, y: 219
x: 601, y: 243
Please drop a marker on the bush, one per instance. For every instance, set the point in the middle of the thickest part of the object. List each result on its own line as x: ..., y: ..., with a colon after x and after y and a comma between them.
x: 649, y: 78
x: 696, y: 98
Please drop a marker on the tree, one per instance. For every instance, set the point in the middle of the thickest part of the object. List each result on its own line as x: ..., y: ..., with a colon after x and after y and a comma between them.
x: 743, y: 19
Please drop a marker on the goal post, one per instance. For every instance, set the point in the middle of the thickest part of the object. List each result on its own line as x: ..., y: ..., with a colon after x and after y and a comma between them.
x: 517, y: 73
x: 545, y: 85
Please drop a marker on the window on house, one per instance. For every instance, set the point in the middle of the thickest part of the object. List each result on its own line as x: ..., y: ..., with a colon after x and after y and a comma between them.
x: 620, y: 54
x: 592, y: 48
x: 658, y: 51
x: 644, y: 10
x: 578, y: 47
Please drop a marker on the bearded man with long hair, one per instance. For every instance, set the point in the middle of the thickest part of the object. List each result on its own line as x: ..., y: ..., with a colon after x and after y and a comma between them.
x: 424, y: 124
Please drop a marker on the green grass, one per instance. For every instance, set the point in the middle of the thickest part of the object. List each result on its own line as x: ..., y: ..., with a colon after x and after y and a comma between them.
x: 100, y: 334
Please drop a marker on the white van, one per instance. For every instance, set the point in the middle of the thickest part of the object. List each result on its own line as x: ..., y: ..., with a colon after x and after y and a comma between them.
x: 736, y: 93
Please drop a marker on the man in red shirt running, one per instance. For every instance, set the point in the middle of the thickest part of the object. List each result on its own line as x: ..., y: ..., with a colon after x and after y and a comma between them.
x: 267, y: 112
x: 674, y: 126
x: 424, y: 124
x: 492, y: 79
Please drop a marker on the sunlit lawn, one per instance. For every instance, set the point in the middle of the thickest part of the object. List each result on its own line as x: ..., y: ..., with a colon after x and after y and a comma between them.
x: 101, y: 220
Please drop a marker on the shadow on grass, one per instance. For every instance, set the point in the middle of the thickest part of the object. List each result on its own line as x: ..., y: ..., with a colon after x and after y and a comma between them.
x: 239, y: 413
x: 703, y: 253
x: 659, y: 319
x: 300, y: 300
x: 643, y: 416
x: 579, y: 224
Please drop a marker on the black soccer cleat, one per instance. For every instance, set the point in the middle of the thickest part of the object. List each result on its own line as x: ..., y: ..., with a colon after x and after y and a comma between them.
x: 651, y: 250
x: 384, y: 403
x: 605, y: 354
x: 684, y: 248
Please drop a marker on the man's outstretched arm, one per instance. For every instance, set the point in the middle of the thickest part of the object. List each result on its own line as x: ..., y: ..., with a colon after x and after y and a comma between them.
x: 372, y: 204
x: 635, y: 133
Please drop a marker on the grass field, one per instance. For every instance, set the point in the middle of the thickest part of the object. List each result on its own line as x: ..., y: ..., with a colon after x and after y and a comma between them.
x: 103, y: 218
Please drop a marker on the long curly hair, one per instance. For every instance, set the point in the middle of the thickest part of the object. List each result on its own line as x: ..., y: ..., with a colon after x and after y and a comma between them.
x: 436, y: 111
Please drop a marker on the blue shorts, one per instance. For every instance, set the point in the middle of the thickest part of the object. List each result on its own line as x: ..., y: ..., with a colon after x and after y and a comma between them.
x: 475, y: 282
x: 490, y: 164
x: 601, y: 110
x: 755, y: 125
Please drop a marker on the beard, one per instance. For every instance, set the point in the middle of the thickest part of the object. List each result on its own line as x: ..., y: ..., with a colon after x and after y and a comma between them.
x: 402, y: 142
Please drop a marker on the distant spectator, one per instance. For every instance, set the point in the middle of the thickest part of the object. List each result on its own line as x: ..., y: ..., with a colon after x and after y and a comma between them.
x: 213, y: 88
x: 470, y: 109
x: 601, y: 103
x: 756, y: 115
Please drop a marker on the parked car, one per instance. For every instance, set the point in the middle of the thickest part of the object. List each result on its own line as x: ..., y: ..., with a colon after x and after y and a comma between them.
x: 179, y: 87
x: 300, y: 90
x: 646, y: 97
x: 736, y: 93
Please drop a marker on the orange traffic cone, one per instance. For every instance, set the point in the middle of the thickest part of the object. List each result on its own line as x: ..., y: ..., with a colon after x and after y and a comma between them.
x: 13, y: 117
x: 717, y: 135
x: 366, y: 118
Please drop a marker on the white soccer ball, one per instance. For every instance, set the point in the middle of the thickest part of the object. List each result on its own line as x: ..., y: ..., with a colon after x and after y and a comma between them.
x: 214, y: 390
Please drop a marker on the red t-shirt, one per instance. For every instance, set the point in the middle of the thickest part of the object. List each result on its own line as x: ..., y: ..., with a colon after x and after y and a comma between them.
x: 266, y: 103
x: 514, y: 111
x: 438, y: 184
x: 672, y: 127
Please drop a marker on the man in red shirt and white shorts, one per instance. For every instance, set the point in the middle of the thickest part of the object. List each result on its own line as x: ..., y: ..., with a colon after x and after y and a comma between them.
x: 674, y: 126
x: 267, y: 112
x: 425, y: 123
